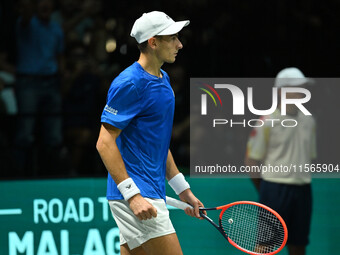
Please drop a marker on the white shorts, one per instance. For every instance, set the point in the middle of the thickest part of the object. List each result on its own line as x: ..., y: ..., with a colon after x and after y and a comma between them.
x: 135, y: 232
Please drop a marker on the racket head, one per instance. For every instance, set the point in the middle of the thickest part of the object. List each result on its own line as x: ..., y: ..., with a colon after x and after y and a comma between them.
x: 253, y: 227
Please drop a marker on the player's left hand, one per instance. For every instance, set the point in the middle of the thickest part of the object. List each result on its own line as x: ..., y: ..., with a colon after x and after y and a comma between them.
x: 188, y: 197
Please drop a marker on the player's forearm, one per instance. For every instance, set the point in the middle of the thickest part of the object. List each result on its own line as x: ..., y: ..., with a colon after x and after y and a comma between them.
x: 171, y: 168
x: 181, y: 187
x: 113, y: 161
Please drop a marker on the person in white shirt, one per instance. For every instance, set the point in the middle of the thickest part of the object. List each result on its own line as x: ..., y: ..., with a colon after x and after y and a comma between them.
x: 287, y: 192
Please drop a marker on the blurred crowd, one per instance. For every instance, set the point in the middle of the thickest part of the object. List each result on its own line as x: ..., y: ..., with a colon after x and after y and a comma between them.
x: 57, y: 61
x: 58, y: 58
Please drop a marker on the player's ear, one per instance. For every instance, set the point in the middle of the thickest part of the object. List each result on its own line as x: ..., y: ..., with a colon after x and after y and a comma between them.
x: 152, y: 42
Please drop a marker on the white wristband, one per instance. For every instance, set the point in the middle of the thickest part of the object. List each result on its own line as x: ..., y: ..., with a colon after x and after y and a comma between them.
x: 178, y: 183
x: 128, y: 188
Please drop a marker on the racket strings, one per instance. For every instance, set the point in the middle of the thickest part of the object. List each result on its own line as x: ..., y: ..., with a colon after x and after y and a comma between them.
x: 253, y: 228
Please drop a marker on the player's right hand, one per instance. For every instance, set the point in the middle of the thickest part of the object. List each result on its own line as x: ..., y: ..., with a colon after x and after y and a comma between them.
x: 141, y: 208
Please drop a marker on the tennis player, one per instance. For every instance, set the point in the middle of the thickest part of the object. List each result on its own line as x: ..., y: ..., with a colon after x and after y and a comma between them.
x: 134, y: 142
x: 288, y: 193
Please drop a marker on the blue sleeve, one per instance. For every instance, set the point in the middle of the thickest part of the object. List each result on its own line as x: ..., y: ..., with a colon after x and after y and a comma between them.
x: 123, y: 104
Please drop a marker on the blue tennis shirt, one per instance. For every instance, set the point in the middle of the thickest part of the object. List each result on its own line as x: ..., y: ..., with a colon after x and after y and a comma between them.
x: 142, y: 106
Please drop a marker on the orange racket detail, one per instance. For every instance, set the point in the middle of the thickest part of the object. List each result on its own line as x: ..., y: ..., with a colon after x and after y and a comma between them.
x: 253, y: 227
x: 249, y: 226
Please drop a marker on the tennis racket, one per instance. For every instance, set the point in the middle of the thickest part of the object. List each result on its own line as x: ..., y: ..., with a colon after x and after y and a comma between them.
x: 249, y: 226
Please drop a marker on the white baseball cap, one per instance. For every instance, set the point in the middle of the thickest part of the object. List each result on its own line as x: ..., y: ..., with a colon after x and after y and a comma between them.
x: 155, y: 23
x: 291, y: 76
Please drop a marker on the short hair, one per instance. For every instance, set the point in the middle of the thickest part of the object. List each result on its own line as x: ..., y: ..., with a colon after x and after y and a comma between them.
x: 143, y: 46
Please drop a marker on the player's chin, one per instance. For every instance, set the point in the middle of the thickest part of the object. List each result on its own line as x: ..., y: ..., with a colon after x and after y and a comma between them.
x: 171, y: 60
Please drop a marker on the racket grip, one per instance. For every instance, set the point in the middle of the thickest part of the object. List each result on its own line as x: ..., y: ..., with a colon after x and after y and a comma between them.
x: 177, y: 203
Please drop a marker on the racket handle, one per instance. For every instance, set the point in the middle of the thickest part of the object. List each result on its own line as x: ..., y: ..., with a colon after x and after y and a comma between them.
x: 177, y: 203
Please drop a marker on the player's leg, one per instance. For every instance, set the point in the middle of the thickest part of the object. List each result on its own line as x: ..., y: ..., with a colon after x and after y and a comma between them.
x: 124, y: 250
x: 168, y: 244
x: 299, y: 231
x: 278, y: 197
x: 294, y: 204
x: 296, y: 249
x: 153, y: 235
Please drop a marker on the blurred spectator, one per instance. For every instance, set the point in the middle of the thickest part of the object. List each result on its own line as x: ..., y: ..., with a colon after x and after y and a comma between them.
x: 81, y: 92
x: 39, y: 61
x: 2, y: 112
x: 84, y: 27
x: 8, y: 107
x: 287, y: 192
x: 7, y: 97
x: 76, y: 19
x: 180, y: 142
x: 7, y: 79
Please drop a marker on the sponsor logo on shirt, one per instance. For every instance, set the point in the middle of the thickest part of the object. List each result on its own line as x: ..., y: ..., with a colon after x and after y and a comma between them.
x: 110, y: 110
